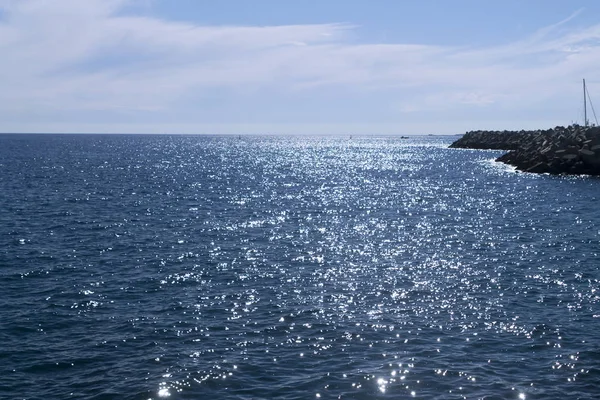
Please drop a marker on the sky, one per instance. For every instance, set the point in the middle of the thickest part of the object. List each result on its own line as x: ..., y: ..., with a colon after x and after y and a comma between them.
x: 374, y: 67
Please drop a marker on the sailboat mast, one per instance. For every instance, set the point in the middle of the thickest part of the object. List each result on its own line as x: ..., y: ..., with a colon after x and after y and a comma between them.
x: 585, y: 120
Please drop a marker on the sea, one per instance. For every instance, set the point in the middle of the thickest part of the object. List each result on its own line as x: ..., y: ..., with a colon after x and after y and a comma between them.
x: 278, y: 267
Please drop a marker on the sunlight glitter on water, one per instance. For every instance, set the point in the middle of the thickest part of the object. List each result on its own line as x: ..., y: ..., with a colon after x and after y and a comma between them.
x: 368, y: 269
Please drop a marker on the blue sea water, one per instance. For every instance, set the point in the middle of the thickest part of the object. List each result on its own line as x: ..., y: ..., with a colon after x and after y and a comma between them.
x: 206, y: 267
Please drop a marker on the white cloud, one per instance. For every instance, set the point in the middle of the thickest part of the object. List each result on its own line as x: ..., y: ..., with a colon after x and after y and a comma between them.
x: 68, y: 56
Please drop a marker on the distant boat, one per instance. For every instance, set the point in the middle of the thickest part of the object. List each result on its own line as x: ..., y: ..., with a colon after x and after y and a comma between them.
x: 404, y: 137
x: 586, y: 97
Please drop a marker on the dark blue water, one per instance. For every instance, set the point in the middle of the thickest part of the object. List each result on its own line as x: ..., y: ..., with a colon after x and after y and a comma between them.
x: 150, y: 267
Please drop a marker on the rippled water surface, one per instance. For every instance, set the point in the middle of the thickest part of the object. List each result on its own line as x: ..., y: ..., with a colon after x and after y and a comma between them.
x: 151, y: 267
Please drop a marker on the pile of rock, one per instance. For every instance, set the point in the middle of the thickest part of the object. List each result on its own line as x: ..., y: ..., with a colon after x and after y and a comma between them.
x: 571, y: 150
x: 492, y: 140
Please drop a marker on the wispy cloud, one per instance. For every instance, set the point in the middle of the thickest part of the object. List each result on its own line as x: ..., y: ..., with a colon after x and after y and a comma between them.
x: 90, y: 55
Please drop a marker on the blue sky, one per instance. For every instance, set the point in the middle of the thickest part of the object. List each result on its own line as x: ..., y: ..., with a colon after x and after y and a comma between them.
x: 295, y: 66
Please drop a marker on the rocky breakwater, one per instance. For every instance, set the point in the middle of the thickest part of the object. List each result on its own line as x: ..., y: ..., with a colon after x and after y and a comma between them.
x: 571, y: 150
x: 492, y: 140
